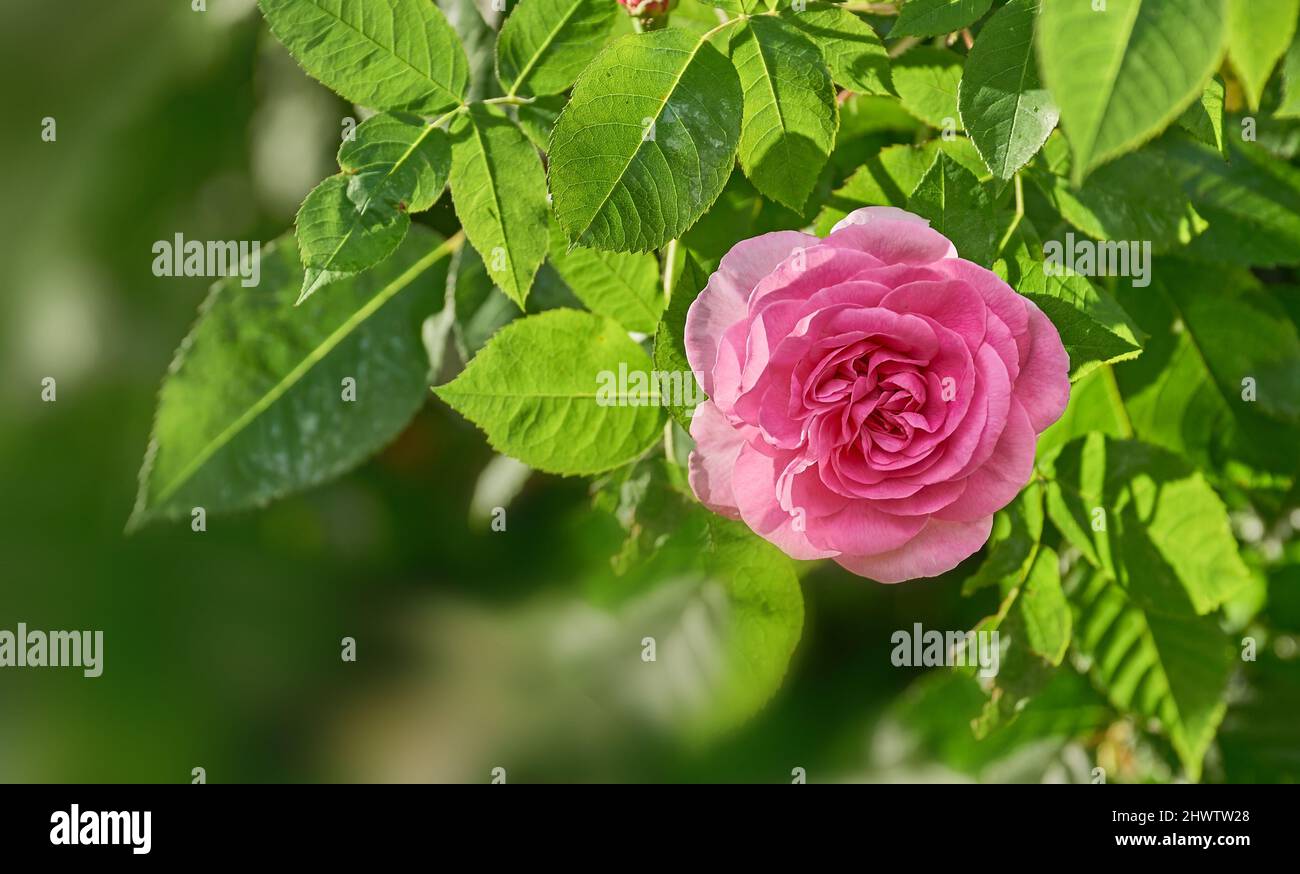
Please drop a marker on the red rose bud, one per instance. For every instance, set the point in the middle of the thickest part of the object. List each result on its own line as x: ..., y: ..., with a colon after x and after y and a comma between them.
x: 650, y: 14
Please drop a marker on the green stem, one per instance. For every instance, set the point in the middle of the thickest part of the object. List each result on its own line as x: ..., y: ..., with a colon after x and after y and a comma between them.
x: 1020, y: 214
x: 508, y: 100
x: 670, y: 266
x: 449, y: 115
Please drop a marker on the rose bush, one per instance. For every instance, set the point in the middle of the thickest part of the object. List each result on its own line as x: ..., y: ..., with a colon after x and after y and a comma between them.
x: 874, y: 398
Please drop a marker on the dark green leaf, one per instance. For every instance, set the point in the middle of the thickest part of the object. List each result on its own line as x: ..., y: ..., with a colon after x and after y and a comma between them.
x: 253, y: 407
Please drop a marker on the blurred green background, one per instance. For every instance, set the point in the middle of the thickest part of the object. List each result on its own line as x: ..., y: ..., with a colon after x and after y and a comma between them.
x: 475, y: 649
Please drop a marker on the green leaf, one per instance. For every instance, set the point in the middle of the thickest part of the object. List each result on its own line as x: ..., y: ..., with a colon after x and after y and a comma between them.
x: 397, y: 55
x: 396, y: 160
x: 479, y: 41
x: 935, y: 17
x: 1252, y: 202
x: 890, y: 177
x: 957, y: 206
x: 927, y: 80
x: 1135, y: 198
x: 1290, y: 105
x: 1240, y: 333
x: 253, y: 406
x: 336, y: 238
x: 544, y: 44
x: 1119, y: 500
x: 670, y: 344
x: 537, y: 119
x: 646, y: 142
x: 1170, y: 397
x: 723, y: 606
x: 1017, y: 531
x: 1004, y: 107
x: 1042, y: 611
x: 854, y: 53
x: 936, y: 713
x: 536, y: 389
x: 1204, y: 118
x: 788, y: 126
x: 499, y: 188
x: 623, y: 286
x: 481, y: 309
x: 1154, y: 657
x: 1095, y: 405
x: 1122, y: 74
x: 1094, y: 328
x: 765, y: 619
x: 1259, y: 32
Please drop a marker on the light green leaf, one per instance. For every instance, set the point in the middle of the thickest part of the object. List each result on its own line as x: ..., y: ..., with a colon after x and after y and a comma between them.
x: 646, y: 142
x: 1119, y: 500
x: 890, y: 177
x: 397, y: 55
x: 1259, y: 32
x: 396, y: 160
x: 790, y: 117
x: 1204, y: 118
x: 1154, y: 657
x: 670, y: 345
x: 1095, y: 405
x: 1123, y: 73
x: 935, y: 17
x: 854, y: 53
x: 957, y: 206
x: 538, y: 389
x: 1003, y: 106
x: 1290, y: 105
x: 1042, y: 611
x: 253, y: 405
x: 544, y: 44
x: 927, y: 80
x: 623, y: 286
x: 499, y: 188
x: 337, y: 237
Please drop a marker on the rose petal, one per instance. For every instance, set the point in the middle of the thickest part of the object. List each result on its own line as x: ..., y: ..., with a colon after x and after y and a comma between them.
x: 937, y: 549
x: 999, y: 479
x: 711, y: 464
x: 1044, y: 383
x: 753, y: 483
x: 894, y: 242
x: 723, y: 301
x: 867, y: 214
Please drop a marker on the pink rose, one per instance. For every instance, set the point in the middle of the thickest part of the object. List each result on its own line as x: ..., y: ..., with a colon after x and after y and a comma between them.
x: 873, y: 398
